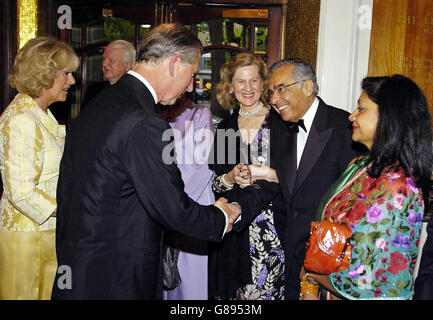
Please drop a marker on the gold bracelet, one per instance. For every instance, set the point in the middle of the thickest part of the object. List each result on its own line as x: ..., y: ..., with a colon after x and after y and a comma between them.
x: 308, y: 288
x: 225, y: 183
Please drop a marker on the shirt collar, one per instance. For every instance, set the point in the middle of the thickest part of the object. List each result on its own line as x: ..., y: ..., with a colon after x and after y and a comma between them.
x: 309, y: 115
x: 147, y: 84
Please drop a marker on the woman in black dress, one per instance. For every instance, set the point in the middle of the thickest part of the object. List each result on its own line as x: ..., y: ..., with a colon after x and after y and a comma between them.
x: 248, y: 265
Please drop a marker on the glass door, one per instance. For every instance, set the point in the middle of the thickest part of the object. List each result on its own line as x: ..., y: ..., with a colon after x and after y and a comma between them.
x: 225, y: 30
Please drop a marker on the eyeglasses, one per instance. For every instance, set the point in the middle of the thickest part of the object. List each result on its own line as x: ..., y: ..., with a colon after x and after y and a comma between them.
x: 280, y: 90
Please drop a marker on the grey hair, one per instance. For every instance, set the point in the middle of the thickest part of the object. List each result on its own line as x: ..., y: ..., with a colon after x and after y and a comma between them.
x: 302, y: 71
x: 169, y: 39
x: 128, y: 51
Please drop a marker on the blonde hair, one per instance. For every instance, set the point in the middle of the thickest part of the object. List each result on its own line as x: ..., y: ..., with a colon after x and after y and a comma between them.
x: 224, y: 95
x: 37, y: 64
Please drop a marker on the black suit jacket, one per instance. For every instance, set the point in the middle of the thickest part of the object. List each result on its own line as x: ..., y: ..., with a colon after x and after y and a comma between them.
x: 328, y: 150
x: 424, y: 281
x: 92, y: 91
x: 115, y: 195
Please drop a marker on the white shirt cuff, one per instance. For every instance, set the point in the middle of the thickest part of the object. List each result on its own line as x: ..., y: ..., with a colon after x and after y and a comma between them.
x: 227, y: 220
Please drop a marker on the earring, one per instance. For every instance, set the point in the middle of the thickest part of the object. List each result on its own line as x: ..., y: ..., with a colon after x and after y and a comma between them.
x: 231, y: 90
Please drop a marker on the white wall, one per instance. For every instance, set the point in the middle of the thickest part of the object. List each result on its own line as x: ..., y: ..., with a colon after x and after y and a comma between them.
x: 343, y: 50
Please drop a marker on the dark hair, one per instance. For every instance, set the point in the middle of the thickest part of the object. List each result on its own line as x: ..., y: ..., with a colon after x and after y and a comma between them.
x: 169, y: 39
x: 302, y: 71
x: 404, y: 131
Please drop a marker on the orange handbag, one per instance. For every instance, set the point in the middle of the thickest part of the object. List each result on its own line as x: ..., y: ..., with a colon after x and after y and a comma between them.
x: 328, y: 249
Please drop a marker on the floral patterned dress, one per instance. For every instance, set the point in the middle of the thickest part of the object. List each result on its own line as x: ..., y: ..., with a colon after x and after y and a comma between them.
x: 385, y: 216
x: 267, y: 260
x: 266, y: 252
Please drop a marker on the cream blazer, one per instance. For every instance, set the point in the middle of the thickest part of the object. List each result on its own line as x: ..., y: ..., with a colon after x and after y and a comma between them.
x: 31, y: 146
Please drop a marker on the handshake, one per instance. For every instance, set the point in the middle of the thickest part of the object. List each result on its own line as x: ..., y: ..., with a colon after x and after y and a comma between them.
x: 232, y: 209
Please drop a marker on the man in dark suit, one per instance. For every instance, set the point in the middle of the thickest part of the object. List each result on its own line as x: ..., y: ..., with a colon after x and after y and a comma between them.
x: 116, y: 191
x: 118, y: 58
x: 311, y: 146
x: 424, y: 282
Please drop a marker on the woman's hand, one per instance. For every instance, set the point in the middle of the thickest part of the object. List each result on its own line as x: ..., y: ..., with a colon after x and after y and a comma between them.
x: 321, y: 279
x: 262, y: 172
x: 309, y: 290
x: 240, y: 175
x: 245, y: 175
x: 309, y: 296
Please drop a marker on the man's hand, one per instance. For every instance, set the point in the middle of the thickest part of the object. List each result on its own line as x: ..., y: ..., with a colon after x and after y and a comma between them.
x: 233, y: 210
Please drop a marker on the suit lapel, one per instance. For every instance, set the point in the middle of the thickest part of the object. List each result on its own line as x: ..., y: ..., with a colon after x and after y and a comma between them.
x: 283, y: 154
x: 316, y: 142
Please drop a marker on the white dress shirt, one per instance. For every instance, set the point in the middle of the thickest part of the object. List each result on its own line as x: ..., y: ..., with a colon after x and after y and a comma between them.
x: 147, y: 84
x: 302, y: 135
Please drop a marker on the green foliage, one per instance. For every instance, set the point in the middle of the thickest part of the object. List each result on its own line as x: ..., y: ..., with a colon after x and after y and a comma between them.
x: 385, y: 221
x: 392, y: 293
x: 358, y: 237
x: 144, y: 31
x: 116, y: 28
x: 373, y: 236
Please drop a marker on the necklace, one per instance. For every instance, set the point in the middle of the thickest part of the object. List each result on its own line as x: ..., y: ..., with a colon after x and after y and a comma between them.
x: 248, y: 114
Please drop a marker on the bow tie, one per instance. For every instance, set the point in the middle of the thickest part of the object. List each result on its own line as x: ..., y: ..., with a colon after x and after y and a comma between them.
x: 294, y: 126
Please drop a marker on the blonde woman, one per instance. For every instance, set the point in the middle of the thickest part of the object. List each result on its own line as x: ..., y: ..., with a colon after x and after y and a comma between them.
x: 31, y: 146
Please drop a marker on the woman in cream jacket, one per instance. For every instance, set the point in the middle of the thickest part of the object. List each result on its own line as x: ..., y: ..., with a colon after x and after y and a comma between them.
x: 31, y: 146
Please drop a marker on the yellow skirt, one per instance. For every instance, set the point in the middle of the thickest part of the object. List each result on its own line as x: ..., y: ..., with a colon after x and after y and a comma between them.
x: 28, y: 265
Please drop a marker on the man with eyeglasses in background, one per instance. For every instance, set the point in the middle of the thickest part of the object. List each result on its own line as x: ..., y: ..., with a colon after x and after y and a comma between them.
x: 310, y: 146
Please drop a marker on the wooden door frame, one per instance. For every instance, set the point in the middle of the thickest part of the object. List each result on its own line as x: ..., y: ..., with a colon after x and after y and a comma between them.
x: 276, y: 22
x: 8, y: 49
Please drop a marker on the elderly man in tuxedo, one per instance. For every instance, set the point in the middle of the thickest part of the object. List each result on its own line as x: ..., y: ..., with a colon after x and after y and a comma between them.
x: 311, y: 146
x: 116, y: 192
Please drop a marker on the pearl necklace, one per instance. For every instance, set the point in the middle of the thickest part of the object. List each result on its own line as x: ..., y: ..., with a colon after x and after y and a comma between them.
x: 248, y: 114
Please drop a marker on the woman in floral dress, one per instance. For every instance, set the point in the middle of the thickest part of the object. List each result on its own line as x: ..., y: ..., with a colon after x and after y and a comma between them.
x: 379, y: 197
x: 248, y: 265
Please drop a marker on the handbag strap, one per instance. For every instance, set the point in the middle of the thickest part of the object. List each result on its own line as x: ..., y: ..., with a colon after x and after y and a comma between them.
x: 343, y: 253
